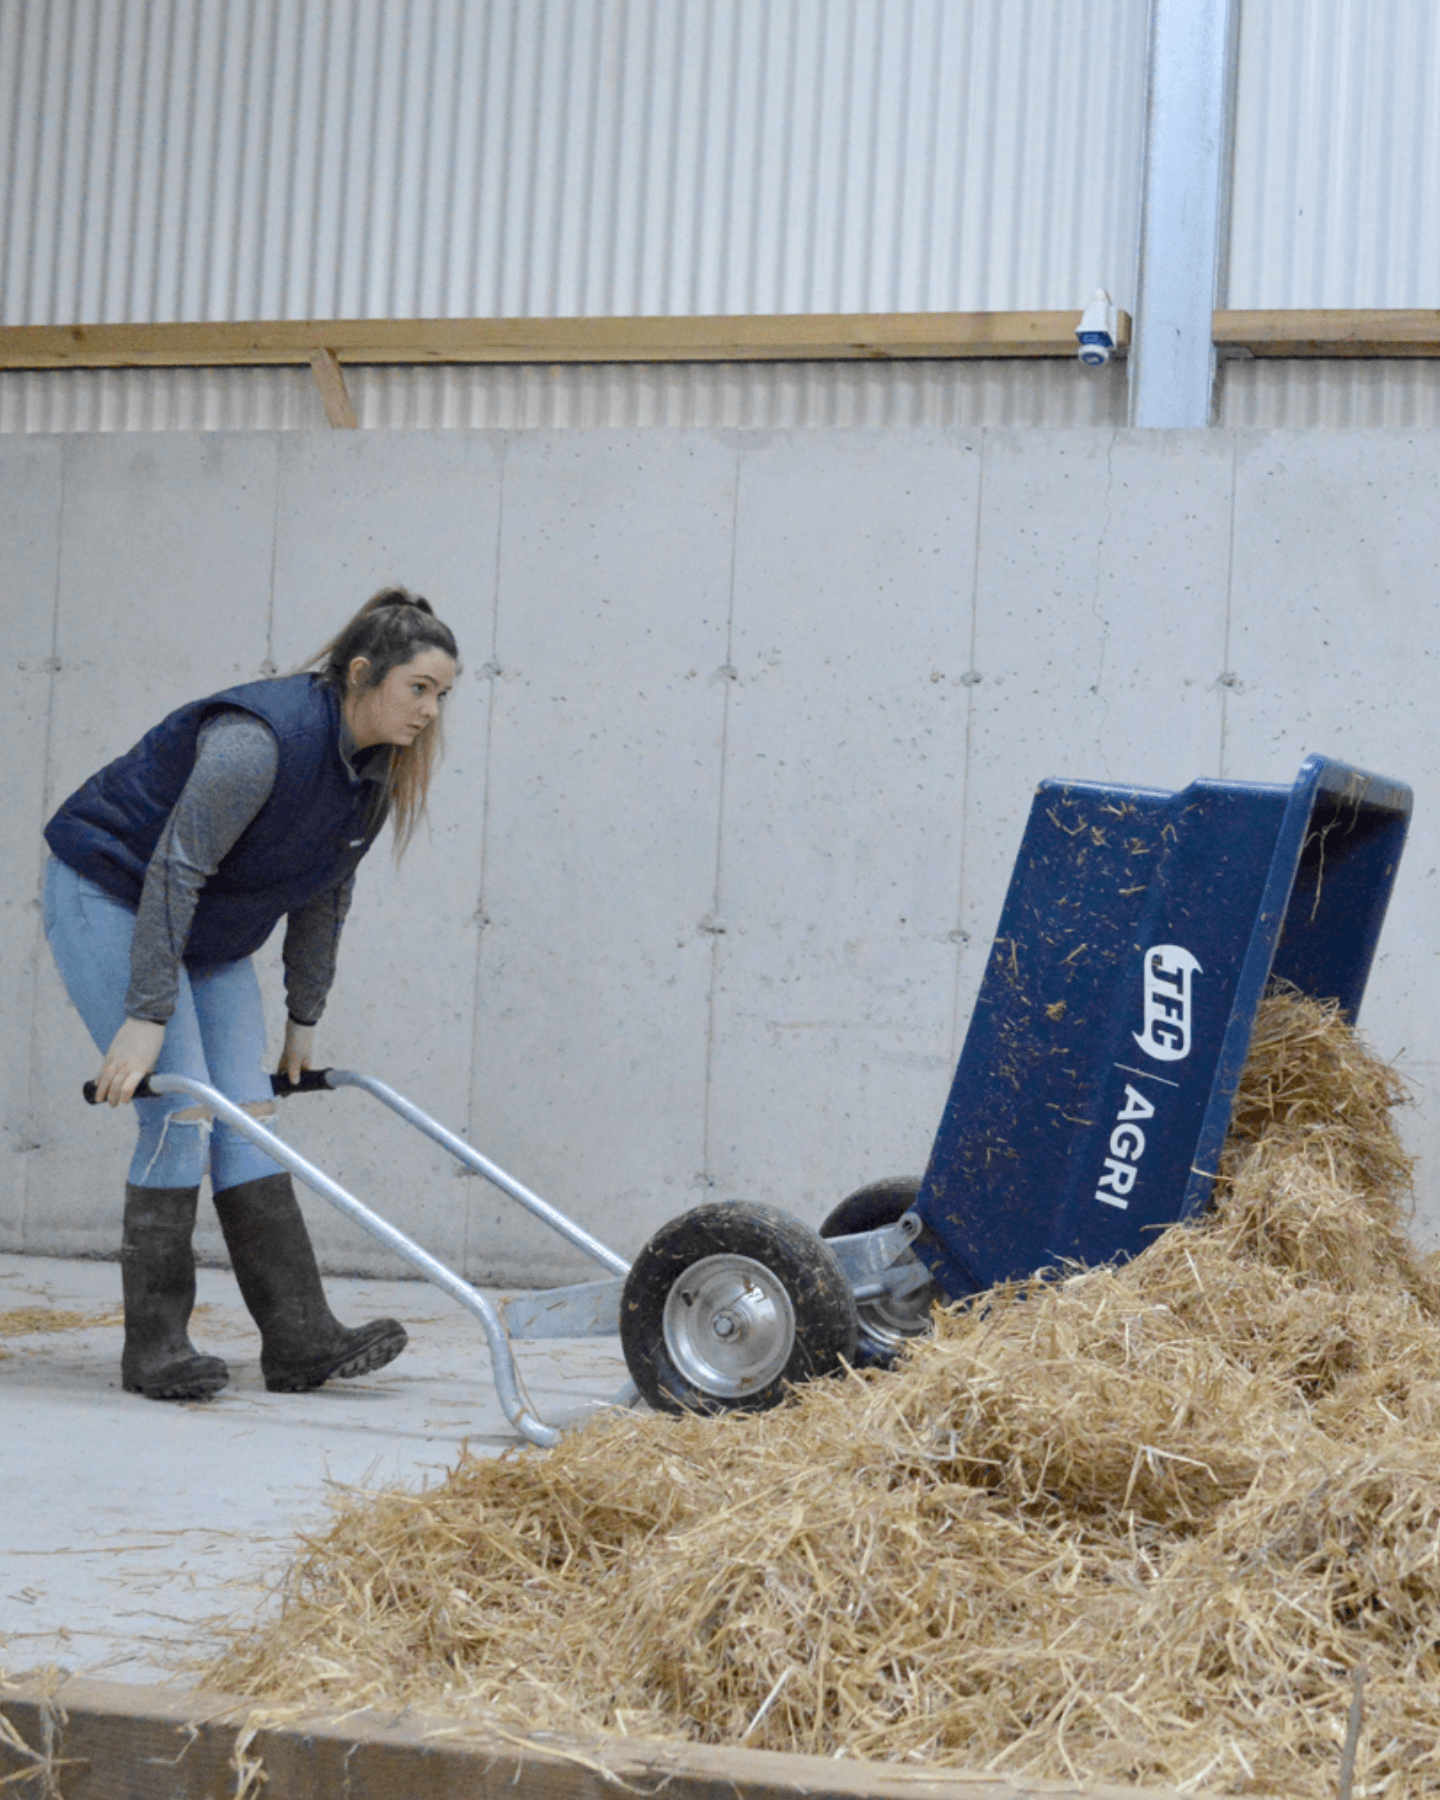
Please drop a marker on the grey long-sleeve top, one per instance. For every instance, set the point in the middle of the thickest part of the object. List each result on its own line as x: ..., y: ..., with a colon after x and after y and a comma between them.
x: 236, y: 760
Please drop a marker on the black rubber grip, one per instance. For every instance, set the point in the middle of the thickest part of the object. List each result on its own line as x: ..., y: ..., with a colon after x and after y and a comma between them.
x: 311, y: 1082
x: 143, y: 1092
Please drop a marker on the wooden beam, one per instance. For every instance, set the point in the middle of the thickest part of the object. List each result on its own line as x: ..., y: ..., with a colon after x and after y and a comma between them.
x: 784, y: 337
x: 333, y: 392
x: 1330, y: 332
x: 98, y: 1740
x: 781, y: 337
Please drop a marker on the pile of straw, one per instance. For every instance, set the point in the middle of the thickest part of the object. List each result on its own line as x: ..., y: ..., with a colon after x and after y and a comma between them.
x: 1174, y: 1523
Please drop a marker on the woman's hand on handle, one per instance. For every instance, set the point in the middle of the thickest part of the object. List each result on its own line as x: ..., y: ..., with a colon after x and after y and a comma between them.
x: 133, y: 1053
x: 295, y: 1057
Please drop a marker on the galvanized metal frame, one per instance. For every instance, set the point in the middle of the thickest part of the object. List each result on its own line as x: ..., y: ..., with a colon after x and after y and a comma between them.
x: 875, y: 1263
x: 1184, y: 210
x: 513, y: 1401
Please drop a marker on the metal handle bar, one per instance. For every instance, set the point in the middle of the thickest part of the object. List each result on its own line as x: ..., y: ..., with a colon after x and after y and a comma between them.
x: 314, y: 1080
x: 311, y: 1081
x: 502, y: 1359
x: 482, y: 1165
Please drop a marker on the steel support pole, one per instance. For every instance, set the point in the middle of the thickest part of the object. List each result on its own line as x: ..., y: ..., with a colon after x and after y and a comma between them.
x: 1184, y: 209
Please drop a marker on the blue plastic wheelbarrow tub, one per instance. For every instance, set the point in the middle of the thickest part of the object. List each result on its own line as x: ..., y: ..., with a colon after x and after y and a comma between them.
x: 1095, y: 1086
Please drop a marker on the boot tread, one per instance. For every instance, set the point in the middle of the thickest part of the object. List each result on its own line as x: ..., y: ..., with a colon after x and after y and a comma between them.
x: 370, y: 1347
x: 199, y: 1379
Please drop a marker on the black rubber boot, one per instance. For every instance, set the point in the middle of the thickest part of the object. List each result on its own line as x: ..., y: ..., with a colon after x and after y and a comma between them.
x: 157, y: 1274
x: 302, y: 1343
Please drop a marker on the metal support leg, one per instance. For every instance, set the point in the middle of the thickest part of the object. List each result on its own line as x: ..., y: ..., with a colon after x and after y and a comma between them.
x: 502, y: 1359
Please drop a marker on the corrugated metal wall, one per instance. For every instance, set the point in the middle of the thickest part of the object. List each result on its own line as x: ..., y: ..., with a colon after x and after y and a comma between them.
x: 223, y: 159
x: 249, y: 159
x: 1336, y: 198
x: 1261, y: 394
x: 680, y: 394
x: 1332, y: 395
x: 1337, y: 155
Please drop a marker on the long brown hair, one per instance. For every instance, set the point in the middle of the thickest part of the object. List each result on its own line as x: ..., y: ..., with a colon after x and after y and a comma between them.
x: 393, y: 627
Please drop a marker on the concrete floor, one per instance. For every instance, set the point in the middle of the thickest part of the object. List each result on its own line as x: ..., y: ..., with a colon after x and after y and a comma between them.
x: 132, y: 1531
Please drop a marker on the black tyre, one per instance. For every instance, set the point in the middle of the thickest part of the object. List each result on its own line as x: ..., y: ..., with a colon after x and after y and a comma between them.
x: 886, y: 1323
x: 730, y: 1306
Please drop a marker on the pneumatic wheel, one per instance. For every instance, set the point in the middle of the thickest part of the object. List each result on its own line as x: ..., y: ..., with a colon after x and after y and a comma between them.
x: 887, y: 1322
x: 730, y: 1306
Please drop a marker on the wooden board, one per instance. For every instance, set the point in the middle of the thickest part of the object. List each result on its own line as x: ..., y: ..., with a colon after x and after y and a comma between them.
x: 105, y: 1741
x: 326, y: 344
x: 780, y: 337
x: 334, y: 395
x: 1331, y: 332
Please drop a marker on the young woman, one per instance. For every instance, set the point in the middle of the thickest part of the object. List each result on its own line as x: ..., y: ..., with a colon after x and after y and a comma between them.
x: 169, y: 869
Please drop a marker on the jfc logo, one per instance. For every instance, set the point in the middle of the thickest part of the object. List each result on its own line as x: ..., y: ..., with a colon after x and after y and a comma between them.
x: 1169, y: 1007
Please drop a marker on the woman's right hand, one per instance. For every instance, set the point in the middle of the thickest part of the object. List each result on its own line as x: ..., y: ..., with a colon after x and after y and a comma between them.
x: 133, y: 1053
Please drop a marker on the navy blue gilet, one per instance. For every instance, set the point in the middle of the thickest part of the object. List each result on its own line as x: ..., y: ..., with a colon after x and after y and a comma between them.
x: 307, y: 837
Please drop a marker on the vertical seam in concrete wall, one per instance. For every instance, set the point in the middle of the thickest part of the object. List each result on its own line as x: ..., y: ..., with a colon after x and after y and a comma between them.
x: 38, y: 946
x: 962, y: 938
x: 1227, y: 674
x: 1097, y: 606
x: 492, y: 671
x: 716, y: 938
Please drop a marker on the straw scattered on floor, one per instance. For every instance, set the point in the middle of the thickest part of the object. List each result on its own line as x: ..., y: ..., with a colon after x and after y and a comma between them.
x: 28, y: 1321
x: 1164, y: 1523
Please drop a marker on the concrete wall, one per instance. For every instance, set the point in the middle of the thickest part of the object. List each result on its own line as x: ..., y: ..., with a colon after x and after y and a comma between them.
x: 737, y: 768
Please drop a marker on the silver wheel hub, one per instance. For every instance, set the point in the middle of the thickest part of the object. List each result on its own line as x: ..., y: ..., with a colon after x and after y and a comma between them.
x: 891, y: 1320
x: 729, y: 1325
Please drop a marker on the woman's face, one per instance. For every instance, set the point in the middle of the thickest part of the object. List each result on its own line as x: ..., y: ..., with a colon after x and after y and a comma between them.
x: 404, y: 704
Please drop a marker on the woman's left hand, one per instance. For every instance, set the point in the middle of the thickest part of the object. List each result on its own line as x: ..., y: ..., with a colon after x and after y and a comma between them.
x: 295, y: 1057
x: 133, y: 1053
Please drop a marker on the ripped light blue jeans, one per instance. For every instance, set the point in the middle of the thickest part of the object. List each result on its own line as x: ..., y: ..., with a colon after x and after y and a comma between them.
x: 217, y: 1035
